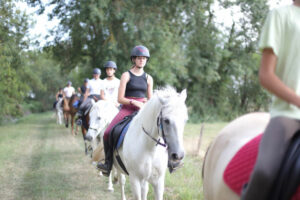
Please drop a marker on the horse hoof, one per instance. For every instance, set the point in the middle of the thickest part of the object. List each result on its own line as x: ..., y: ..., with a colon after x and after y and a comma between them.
x: 110, y: 189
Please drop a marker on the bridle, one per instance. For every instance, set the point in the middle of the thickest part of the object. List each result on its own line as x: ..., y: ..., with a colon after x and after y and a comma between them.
x: 159, y: 123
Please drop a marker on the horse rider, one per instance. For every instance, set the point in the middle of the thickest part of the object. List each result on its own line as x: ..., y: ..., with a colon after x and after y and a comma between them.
x: 68, y: 90
x: 111, y: 83
x: 93, y: 91
x: 82, y: 90
x: 136, y: 87
x: 59, y: 94
x: 280, y: 74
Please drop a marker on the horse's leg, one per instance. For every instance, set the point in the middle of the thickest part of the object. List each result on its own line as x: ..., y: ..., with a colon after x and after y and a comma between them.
x: 61, y: 118
x: 72, y: 124
x: 159, y: 186
x: 145, y: 189
x: 84, y: 139
x: 110, y: 185
x: 57, y: 116
x: 122, y: 181
x: 135, y: 187
x: 67, y: 119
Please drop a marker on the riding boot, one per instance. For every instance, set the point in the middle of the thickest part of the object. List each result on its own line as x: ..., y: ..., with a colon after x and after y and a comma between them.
x: 106, y: 167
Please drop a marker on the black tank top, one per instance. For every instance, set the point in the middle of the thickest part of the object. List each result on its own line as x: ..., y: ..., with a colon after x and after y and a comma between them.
x: 136, y: 86
x: 60, y: 95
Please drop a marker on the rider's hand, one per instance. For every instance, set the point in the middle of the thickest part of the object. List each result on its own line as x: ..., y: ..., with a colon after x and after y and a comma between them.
x: 137, y: 104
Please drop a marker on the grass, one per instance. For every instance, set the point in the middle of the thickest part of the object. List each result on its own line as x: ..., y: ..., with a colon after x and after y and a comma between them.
x: 41, y: 160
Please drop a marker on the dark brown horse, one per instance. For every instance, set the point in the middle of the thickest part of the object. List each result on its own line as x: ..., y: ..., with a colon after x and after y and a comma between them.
x: 70, y: 111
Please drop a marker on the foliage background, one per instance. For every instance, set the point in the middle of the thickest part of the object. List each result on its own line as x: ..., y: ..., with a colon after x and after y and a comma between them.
x: 188, y: 48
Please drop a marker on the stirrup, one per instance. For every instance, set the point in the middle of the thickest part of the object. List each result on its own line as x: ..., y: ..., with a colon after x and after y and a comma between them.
x: 103, y: 168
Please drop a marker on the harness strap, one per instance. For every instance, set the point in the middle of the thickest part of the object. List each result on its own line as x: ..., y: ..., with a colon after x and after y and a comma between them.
x: 155, y: 140
x: 121, y: 162
x: 93, y: 129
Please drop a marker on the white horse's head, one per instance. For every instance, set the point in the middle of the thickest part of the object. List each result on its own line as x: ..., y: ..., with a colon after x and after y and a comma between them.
x: 101, y: 114
x: 171, y: 120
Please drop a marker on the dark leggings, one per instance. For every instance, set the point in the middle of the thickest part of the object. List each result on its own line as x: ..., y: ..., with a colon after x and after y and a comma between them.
x: 272, y: 148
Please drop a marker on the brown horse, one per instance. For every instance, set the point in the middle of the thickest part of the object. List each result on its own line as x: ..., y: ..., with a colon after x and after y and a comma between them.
x: 69, y: 110
x: 84, y: 129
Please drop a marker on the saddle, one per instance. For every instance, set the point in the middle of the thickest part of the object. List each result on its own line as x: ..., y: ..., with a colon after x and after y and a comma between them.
x: 117, y: 135
x: 118, y: 132
x: 286, y: 185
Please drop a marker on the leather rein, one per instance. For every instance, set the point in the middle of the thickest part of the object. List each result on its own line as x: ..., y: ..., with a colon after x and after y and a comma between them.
x: 159, y: 124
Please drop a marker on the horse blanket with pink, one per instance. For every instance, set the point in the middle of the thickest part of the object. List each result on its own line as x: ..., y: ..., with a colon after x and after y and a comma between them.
x: 239, y: 169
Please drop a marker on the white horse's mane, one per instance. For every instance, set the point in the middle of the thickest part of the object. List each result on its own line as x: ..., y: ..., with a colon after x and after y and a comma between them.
x: 171, y: 98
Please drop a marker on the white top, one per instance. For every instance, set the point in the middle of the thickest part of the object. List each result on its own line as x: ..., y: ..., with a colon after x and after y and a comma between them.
x: 281, y: 32
x: 110, y: 88
x: 95, y: 86
x: 69, y: 91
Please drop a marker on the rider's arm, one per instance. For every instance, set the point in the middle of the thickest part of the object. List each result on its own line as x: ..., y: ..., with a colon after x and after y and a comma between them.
x: 271, y: 81
x: 102, y: 95
x: 121, y: 92
x: 150, y: 87
x: 56, y: 96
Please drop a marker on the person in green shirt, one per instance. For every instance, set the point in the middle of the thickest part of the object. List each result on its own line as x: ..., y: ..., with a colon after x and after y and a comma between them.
x: 280, y: 74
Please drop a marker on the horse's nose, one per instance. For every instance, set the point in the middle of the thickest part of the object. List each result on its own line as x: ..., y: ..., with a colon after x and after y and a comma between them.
x: 177, y: 156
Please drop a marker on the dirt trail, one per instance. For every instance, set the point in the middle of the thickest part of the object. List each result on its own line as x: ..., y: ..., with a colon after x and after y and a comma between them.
x: 41, y: 160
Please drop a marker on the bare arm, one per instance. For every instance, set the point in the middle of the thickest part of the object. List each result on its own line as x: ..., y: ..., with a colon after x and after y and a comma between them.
x: 150, y: 87
x: 121, y: 92
x: 56, y: 96
x: 102, y: 95
x: 79, y: 90
x: 270, y: 80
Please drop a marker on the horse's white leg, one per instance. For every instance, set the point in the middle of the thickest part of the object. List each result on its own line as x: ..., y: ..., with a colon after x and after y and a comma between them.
x: 122, y: 181
x: 59, y: 117
x: 110, y: 185
x: 159, y: 187
x: 145, y: 189
x: 135, y: 187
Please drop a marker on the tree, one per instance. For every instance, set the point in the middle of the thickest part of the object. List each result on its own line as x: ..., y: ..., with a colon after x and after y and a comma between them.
x: 13, y: 27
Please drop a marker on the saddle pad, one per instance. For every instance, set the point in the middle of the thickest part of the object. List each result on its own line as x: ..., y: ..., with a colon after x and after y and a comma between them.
x: 122, y: 136
x: 239, y: 169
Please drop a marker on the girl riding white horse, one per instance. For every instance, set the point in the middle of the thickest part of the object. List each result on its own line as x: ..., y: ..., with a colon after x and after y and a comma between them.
x: 160, y: 122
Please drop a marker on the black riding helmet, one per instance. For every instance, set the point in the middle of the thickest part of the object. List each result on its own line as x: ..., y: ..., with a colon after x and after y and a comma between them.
x: 111, y: 64
x: 139, y: 51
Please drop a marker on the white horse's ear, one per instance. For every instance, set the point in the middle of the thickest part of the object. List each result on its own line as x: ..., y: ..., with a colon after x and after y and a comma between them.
x: 183, y: 95
x: 162, y: 100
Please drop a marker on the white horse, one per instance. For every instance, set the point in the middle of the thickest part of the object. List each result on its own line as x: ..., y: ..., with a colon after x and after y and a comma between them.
x: 59, y: 111
x: 223, y: 148
x: 101, y: 114
x: 160, y: 121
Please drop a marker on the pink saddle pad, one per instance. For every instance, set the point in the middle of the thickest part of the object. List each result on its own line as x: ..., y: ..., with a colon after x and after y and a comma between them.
x: 239, y: 169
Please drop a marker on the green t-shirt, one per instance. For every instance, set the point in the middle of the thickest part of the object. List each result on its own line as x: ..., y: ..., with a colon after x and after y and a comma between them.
x: 281, y: 32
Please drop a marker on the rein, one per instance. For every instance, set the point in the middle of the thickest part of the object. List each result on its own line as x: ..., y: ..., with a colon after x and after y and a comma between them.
x: 160, y: 126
